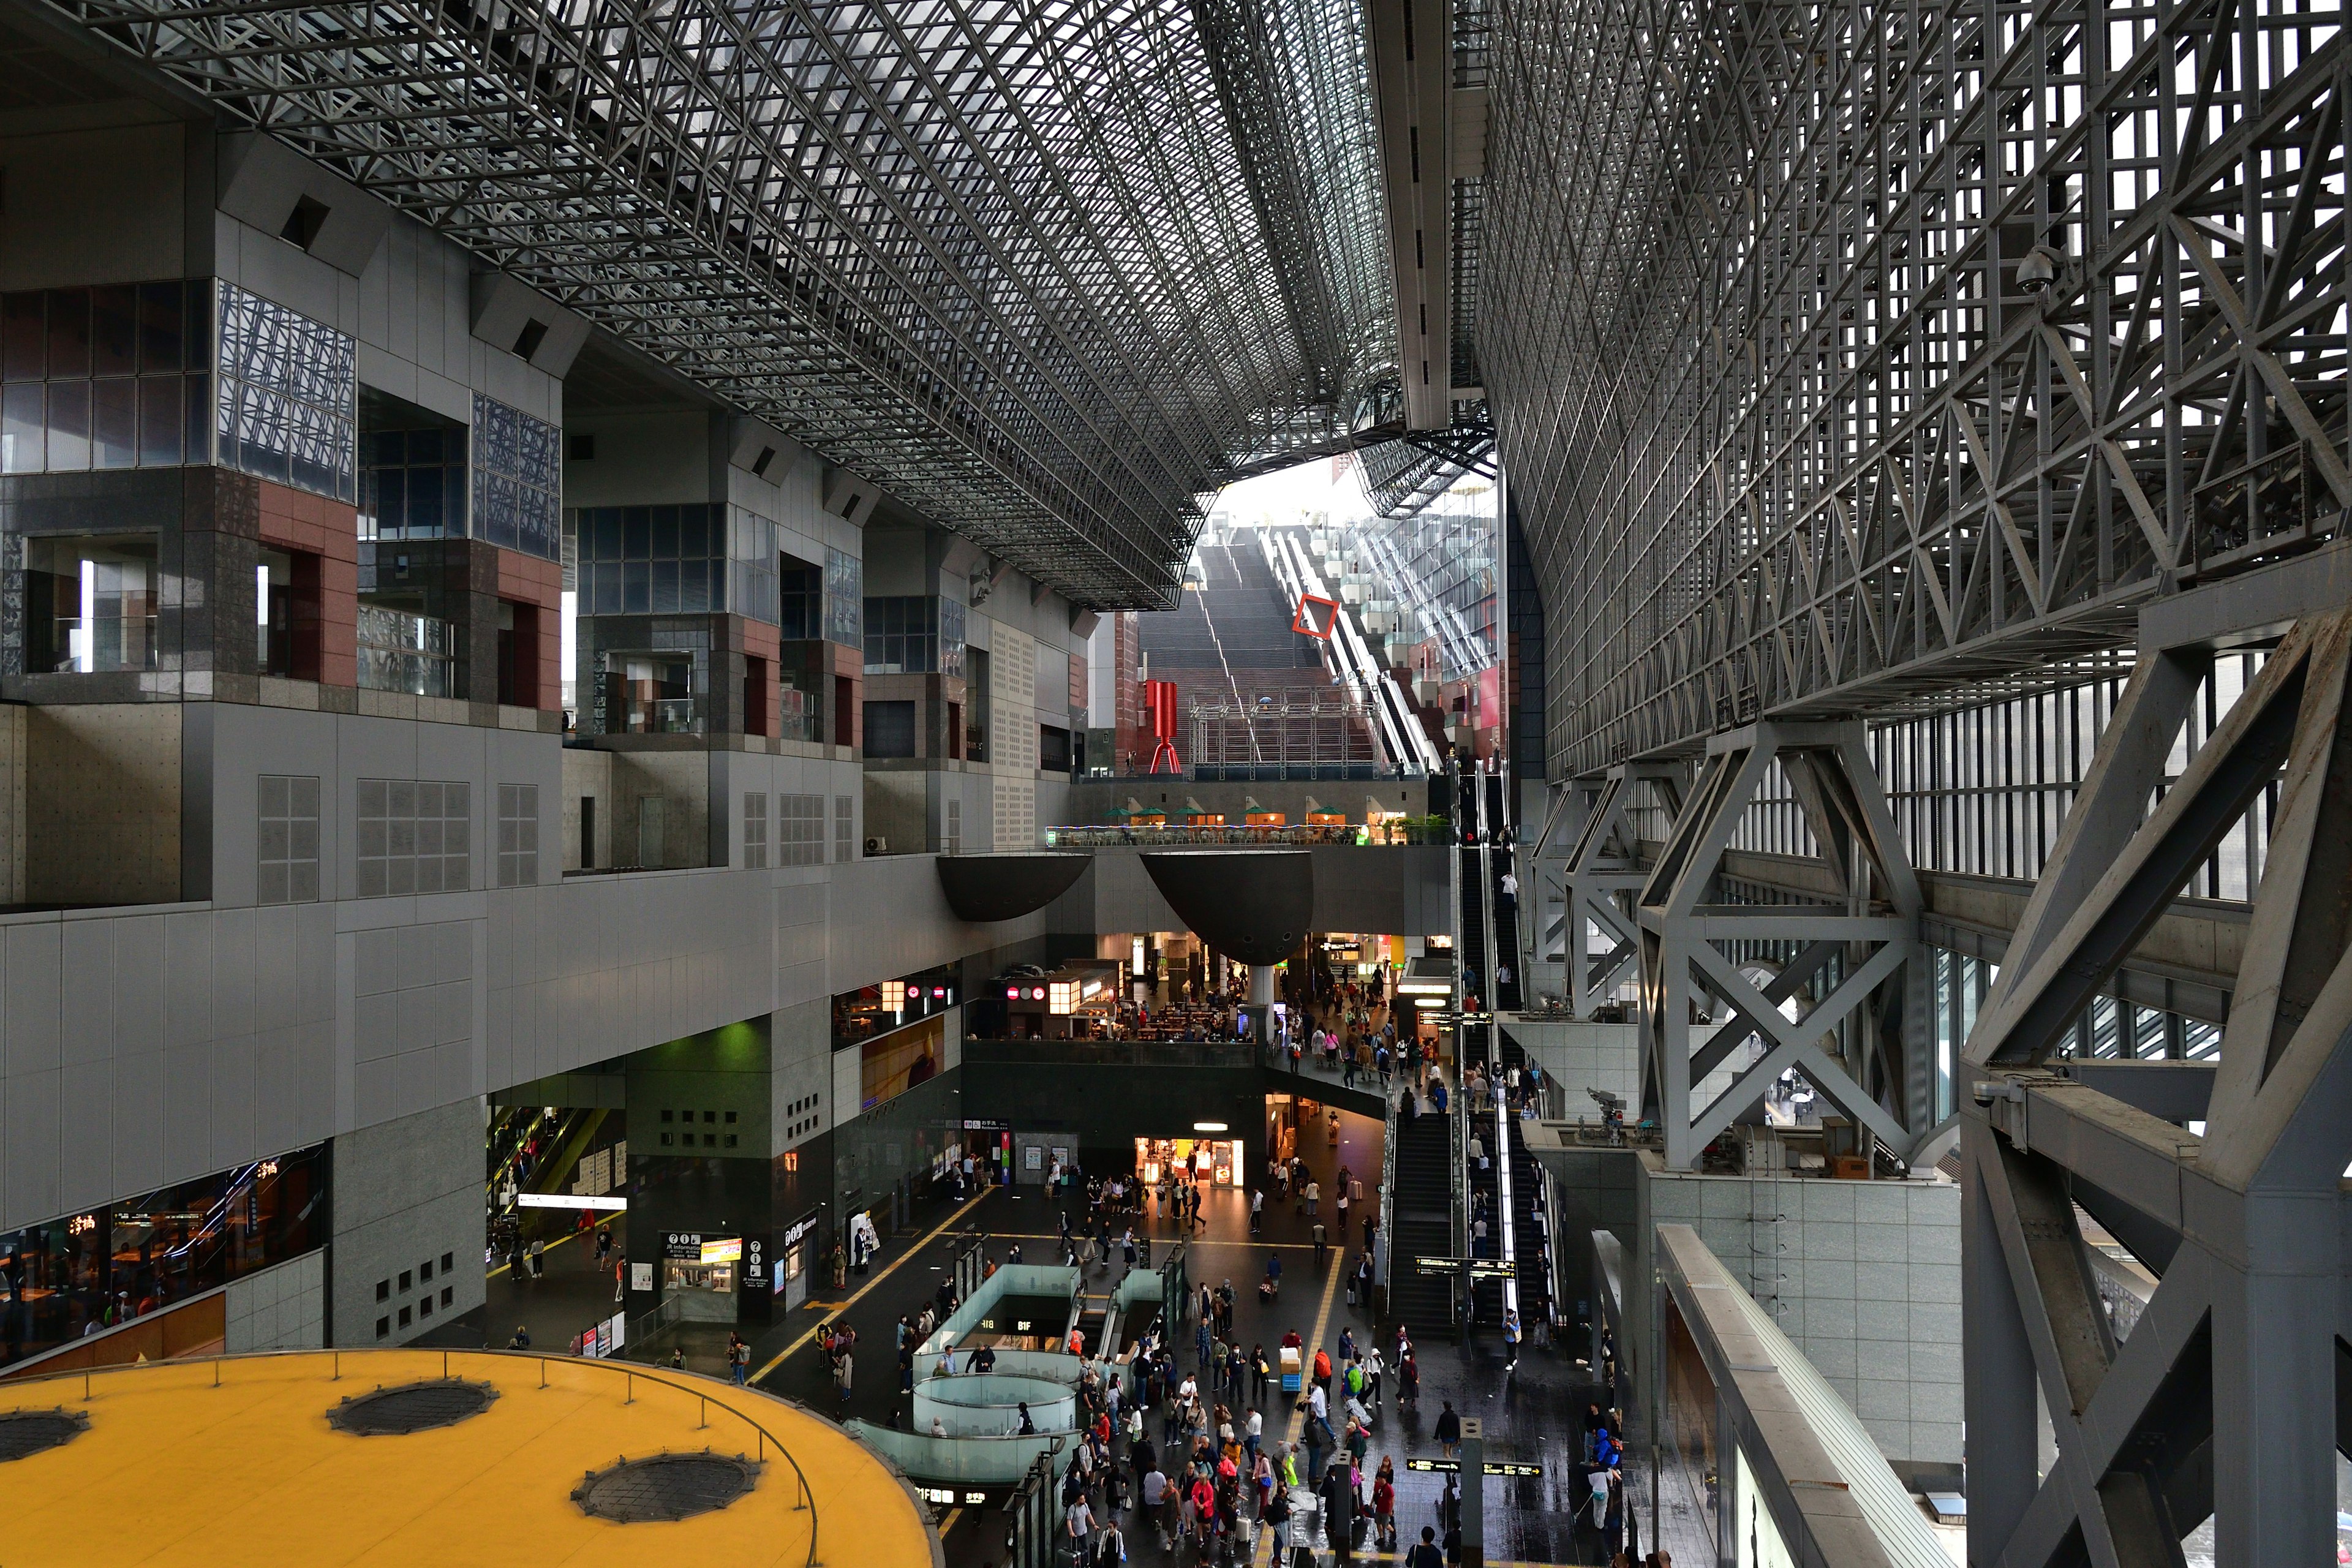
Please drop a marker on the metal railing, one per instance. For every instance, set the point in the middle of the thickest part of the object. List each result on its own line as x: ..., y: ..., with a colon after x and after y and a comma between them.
x: 1177, y: 836
x: 631, y: 1374
x: 1115, y: 1053
x: 667, y: 1312
x: 1383, y: 1254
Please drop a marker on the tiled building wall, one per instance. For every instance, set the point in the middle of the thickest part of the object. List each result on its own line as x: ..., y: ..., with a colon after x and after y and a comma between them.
x: 281, y: 1309
x: 15, y: 725
x: 102, y: 804
x: 1864, y: 1277
x: 408, y: 1225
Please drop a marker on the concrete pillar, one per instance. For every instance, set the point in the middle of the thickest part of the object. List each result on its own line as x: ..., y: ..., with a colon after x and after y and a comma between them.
x: 1261, y: 995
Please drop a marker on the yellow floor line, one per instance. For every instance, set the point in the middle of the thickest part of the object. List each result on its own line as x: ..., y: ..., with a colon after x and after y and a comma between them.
x: 1264, y: 1550
x: 789, y: 1350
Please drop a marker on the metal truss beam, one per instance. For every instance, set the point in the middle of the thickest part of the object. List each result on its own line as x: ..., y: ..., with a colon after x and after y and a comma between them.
x: 1048, y: 274
x: 1603, y: 871
x: 1844, y: 358
x: 2219, y: 1402
x: 1860, y: 1041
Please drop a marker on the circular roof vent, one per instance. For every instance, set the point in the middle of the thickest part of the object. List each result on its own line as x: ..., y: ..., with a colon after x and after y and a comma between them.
x: 24, y: 1433
x: 664, y: 1487
x: 412, y: 1407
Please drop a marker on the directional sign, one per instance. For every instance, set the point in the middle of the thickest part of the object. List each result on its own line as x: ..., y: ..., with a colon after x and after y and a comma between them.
x: 1491, y: 1467
x: 1480, y: 1267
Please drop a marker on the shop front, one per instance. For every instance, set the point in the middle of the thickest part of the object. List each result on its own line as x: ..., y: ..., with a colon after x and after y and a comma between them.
x: 1216, y: 1162
x: 703, y: 1274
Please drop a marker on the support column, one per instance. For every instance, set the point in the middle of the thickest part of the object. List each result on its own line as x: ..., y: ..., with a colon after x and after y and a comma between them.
x: 1261, y: 995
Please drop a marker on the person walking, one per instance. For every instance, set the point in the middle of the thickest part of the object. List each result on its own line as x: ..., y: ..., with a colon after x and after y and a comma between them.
x: 1448, y: 1430
x: 1511, y: 1338
x: 1384, y: 1537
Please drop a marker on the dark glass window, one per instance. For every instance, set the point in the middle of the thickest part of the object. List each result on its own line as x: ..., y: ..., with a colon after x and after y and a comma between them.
x: 95, y: 378
x: 889, y: 728
x: 88, y: 1272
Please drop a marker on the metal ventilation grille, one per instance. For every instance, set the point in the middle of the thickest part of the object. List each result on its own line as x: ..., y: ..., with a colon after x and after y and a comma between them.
x: 26, y: 1432
x: 412, y: 1407
x: 665, y: 1487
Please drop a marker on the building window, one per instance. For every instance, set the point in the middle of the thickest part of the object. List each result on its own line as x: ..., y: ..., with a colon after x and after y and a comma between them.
x: 902, y: 637
x: 105, y: 378
x: 285, y: 839
x: 844, y: 599
x: 415, y: 837
x: 800, y: 601
x: 518, y: 834
x: 751, y: 566
x: 404, y: 650
x: 91, y: 603
x: 844, y: 829
x: 800, y: 830
x: 652, y: 560
x: 413, y: 483
x: 384, y: 1328
x: 517, y: 480
x: 652, y: 692
x: 755, y: 831
x: 287, y: 403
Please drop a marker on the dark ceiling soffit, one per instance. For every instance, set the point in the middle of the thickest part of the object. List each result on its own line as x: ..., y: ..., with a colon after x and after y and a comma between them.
x: 1255, y: 905
x: 984, y: 888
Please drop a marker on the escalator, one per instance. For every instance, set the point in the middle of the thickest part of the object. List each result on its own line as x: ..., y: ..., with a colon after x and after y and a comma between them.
x: 1422, y: 1206
x: 1530, y: 1231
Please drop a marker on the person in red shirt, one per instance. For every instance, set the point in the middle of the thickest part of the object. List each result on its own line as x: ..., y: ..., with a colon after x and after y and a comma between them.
x: 1323, y: 1370
x: 1384, y: 1505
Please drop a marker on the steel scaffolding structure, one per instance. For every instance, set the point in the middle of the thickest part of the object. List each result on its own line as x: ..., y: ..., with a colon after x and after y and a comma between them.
x: 1844, y: 356
x: 1048, y: 273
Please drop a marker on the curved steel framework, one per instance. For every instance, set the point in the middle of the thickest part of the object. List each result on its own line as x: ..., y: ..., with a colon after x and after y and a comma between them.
x: 1850, y: 355
x: 1047, y: 272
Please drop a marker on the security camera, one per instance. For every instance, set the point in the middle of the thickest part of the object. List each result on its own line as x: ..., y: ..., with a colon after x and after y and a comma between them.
x: 1984, y: 1092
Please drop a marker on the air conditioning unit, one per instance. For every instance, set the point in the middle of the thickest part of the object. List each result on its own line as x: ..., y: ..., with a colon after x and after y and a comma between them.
x: 878, y: 847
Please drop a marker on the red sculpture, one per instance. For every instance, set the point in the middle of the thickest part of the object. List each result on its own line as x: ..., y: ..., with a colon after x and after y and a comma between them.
x: 1160, y: 711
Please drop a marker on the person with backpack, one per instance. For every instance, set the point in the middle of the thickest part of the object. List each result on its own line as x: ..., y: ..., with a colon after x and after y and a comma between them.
x: 1425, y: 1554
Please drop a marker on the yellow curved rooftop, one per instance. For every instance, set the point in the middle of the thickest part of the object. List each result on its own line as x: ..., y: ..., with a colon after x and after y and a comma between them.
x: 174, y: 1469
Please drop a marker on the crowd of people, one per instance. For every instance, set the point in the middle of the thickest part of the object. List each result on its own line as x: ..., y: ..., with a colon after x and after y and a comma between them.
x: 1189, y: 1457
